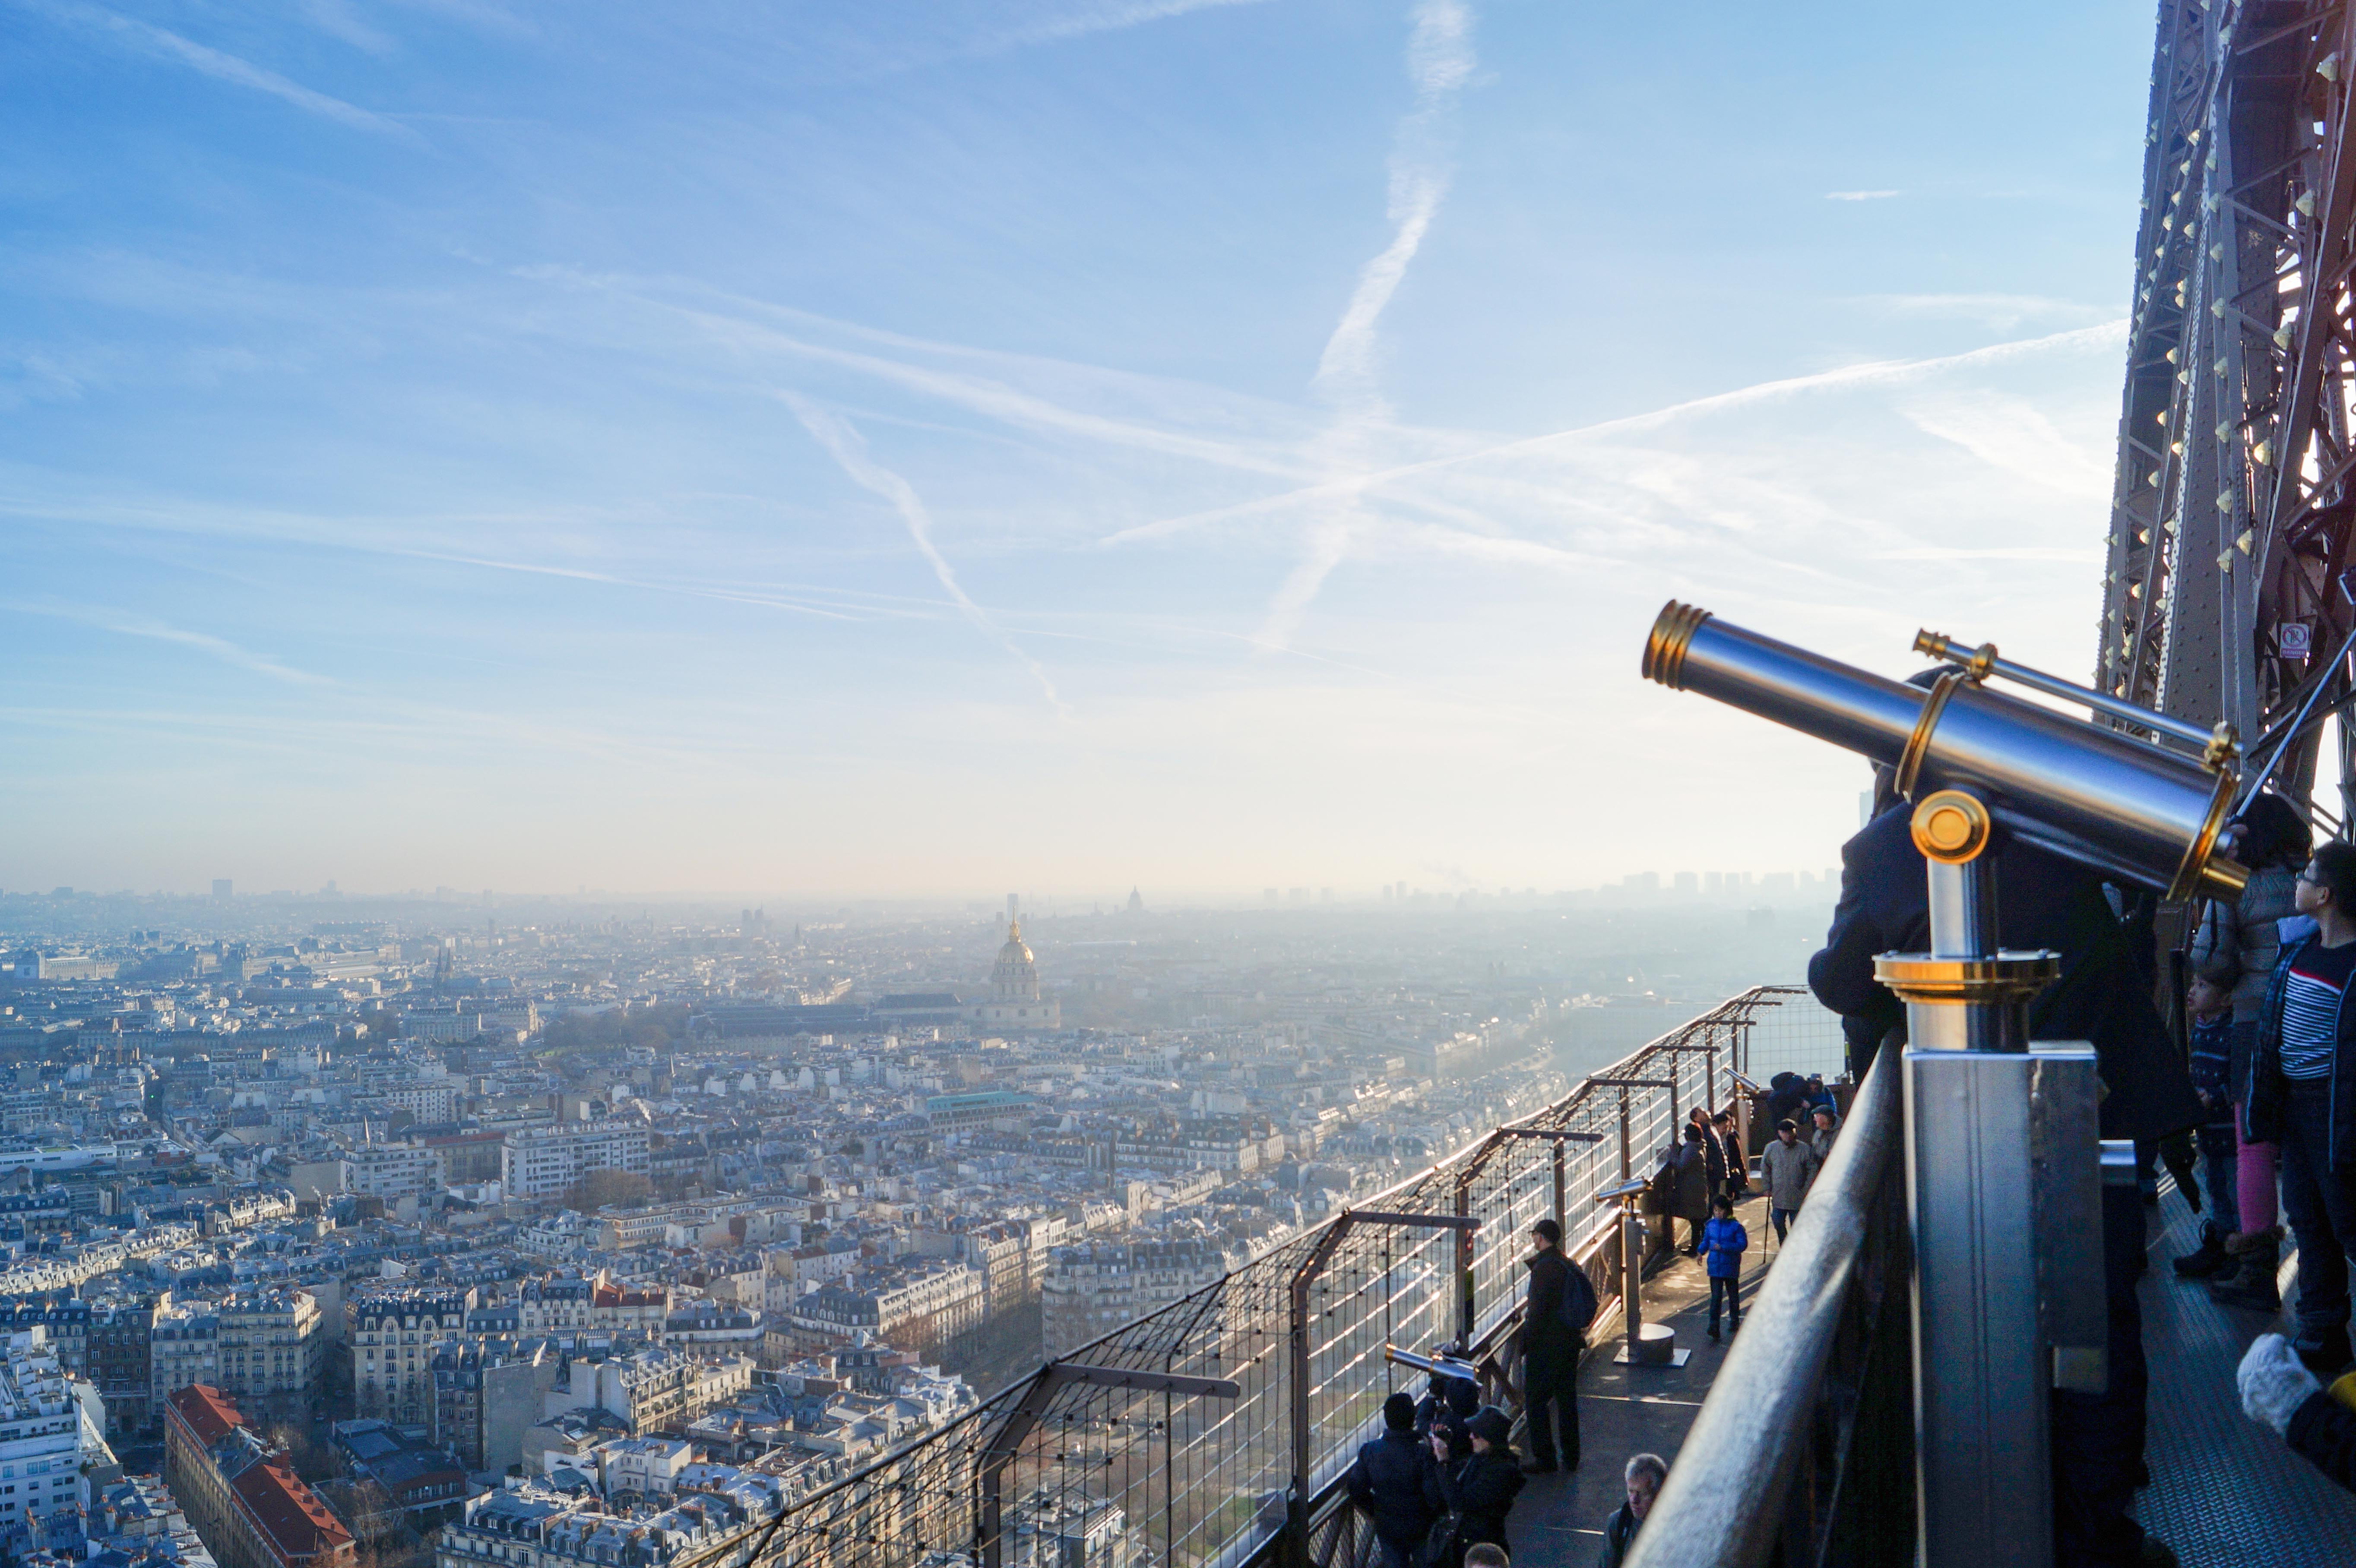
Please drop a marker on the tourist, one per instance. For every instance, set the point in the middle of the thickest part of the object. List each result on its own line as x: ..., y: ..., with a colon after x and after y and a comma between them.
x: 1820, y: 1138
x: 1786, y: 1170
x: 1723, y: 1242
x: 2209, y: 1005
x: 2238, y: 944
x: 1480, y: 1491
x: 1550, y: 1348
x: 1689, y: 1189
x: 1643, y: 1479
x: 1397, y: 1481
x: 2307, y: 1046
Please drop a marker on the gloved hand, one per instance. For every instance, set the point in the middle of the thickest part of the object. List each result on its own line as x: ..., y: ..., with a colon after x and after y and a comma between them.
x: 2273, y: 1383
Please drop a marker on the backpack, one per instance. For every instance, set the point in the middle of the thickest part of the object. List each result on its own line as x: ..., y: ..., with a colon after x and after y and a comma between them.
x: 1578, y: 1306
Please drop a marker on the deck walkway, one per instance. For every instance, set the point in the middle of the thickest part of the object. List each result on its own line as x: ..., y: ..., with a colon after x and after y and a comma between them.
x: 1559, y: 1520
x: 2224, y: 1490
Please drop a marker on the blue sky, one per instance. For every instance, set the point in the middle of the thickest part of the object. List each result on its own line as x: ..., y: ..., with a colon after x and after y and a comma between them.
x: 1057, y: 444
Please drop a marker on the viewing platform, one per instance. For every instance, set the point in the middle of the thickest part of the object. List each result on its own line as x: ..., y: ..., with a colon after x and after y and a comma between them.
x: 1624, y: 1410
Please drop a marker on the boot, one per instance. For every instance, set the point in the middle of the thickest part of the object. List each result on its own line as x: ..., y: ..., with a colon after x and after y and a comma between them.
x: 2252, y: 1284
x: 2209, y: 1259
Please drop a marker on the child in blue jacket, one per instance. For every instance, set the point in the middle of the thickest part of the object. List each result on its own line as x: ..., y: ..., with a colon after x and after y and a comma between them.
x: 1723, y: 1242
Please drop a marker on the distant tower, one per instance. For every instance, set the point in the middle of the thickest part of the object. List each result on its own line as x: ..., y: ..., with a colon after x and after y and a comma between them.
x: 1136, y: 902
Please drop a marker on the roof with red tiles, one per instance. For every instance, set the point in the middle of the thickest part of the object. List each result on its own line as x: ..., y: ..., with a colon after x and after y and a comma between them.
x: 288, y: 1512
x: 210, y: 1413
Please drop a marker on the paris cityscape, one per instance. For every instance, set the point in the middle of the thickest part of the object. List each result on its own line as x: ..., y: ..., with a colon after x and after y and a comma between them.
x: 1175, y: 783
x: 420, y: 1194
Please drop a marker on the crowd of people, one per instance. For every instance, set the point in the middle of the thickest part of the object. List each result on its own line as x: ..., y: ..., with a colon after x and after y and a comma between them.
x: 1440, y: 1483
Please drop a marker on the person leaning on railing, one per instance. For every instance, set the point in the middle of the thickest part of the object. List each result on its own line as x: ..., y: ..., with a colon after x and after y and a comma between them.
x: 1396, y: 1479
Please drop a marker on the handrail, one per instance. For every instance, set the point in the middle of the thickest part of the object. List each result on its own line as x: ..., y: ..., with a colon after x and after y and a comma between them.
x: 1219, y: 1484
x: 1728, y: 1490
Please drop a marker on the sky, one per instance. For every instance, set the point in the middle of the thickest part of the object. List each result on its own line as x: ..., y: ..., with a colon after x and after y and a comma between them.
x: 918, y: 448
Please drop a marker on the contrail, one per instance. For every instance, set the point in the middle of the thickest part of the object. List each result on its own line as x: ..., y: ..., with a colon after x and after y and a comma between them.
x: 1439, y: 59
x: 849, y: 449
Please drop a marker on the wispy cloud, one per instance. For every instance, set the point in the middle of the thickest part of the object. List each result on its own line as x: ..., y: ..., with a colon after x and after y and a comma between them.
x: 130, y: 625
x: 1861, y: 194
x: 849, y: 450
x: 1439, y: 59
x: 1102, y: 16
x: 166, y: 44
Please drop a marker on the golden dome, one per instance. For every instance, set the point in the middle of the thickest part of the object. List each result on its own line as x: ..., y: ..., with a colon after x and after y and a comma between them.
x: 1016, y: 950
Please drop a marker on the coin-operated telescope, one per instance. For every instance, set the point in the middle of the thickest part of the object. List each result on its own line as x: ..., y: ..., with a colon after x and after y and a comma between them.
x: 2003, y: 1166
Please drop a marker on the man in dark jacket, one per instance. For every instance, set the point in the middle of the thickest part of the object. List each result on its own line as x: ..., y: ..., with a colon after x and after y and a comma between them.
x: 1397, y: 1481
x: 1549, y: 1355
x: 1481, y: 1492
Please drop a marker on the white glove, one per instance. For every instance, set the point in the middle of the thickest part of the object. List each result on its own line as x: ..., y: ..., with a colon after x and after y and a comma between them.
x: 2275, y: 1383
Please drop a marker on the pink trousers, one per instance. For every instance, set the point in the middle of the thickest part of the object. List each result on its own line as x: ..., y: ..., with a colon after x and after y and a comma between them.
x: 2254, y: 1180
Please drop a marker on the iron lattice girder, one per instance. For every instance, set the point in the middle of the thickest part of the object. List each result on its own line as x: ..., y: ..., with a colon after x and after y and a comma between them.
x: 2219, y: 534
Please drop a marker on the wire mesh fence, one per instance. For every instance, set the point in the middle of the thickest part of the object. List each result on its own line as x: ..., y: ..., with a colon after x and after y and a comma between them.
x: 1197, y: 1436
x: 1800, y: 1036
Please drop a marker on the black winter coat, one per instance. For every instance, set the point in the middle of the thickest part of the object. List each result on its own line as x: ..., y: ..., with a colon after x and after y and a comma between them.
x: 2324, y: 1430
x: 2042, y: 902
x: 1397, y: 1481
x: 1544, y: 1333
x: 1480, y: 1492
x: 2267, y: 1085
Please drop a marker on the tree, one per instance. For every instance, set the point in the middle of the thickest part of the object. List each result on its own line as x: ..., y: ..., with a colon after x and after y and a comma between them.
x: 598, y: 1189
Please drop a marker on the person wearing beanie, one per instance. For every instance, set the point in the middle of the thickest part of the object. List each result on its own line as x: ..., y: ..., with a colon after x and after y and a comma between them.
x: 1397, y: 1482
x: 1481, y: 1491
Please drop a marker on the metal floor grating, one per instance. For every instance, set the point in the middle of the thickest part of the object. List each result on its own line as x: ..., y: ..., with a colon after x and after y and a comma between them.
x: 2223, y: 1488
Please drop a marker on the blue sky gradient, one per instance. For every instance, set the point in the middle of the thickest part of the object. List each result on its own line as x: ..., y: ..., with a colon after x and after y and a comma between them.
x: 914, y: 448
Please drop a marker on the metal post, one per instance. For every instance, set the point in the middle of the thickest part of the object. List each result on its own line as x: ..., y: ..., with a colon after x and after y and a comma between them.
x: 1561, y: 1184
x: 1467, y: 1315
x: 1627, y: 1148
x: 1982, y: 1361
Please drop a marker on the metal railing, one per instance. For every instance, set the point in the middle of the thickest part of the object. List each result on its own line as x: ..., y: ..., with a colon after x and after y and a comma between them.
x: 1215, y: 1433
x: 1804, y: 1452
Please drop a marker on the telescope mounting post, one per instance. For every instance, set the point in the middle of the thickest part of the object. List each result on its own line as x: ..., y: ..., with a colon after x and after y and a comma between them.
x: 1981, y: 1126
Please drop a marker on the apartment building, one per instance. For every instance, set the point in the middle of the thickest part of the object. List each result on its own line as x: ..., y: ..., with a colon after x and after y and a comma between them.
x: 655, y: 1390
x: 394, y: 1334
x: 394, y: 1171
x: 119, y: 1367
x: 1091, y: 1290
x: 183, y: 1347
x: 247, y: 1504
x: 919, y: 1303
x: 545, y: 1162
x: 47, y: 1440
x: 272, y: 1344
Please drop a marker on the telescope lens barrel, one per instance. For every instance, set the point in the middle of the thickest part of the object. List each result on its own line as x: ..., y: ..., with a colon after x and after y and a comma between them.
x: 2090, y: 795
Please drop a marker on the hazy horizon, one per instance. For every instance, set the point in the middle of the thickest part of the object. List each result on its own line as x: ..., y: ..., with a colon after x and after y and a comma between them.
x: 1197, y: 445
